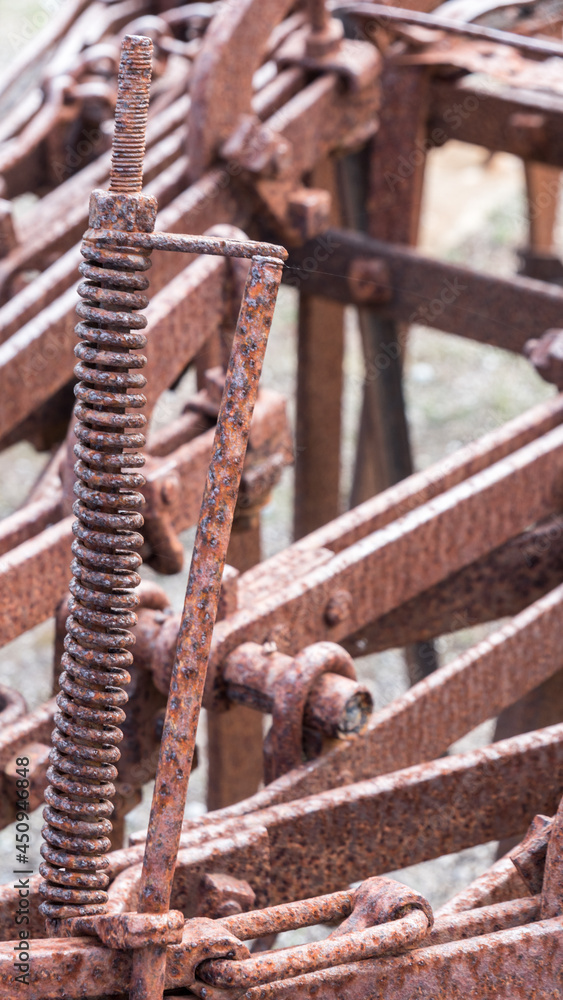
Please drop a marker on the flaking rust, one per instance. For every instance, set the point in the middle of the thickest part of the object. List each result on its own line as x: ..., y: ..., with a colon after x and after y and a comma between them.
x: 107, y: 539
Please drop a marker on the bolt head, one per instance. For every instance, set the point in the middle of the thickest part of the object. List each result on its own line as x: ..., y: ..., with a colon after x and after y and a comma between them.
x: 369, y: 280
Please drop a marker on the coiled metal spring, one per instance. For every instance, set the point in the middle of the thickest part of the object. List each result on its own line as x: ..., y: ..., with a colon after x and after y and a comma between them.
x: 104, y: 575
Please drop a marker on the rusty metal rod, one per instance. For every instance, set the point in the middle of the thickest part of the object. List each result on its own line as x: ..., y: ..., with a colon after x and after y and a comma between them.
x: 272, y: 966
x: 383, y: 16
x: 288, y: 916
x: 214, y: 245
x: 200, y: 610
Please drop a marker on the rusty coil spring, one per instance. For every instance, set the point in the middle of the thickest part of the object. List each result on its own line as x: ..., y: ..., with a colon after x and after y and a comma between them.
x: 101, y: 607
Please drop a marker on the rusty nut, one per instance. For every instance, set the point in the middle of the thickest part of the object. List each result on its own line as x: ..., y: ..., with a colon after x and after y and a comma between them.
x: 338, y: 608
x: 125, y: 212
x: 369, y: 280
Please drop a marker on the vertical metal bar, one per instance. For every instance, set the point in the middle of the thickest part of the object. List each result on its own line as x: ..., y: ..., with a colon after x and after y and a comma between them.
x: 234, y: 753
x: 319, y: 402
x: 542, y: 196
x: 320, y: 357
x: 382, y: 191
x: 384, y: 200
x: 318, y: 14
x: 235, y: 737
x: 200, y: 610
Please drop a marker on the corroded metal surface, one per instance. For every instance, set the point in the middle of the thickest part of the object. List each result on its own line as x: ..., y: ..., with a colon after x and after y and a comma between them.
x: 101, y: 607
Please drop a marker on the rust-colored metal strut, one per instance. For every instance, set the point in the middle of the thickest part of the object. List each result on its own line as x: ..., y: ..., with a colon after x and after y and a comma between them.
x: 117, y: 247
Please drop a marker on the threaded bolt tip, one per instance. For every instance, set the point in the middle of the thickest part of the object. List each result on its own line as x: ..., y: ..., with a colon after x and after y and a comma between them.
x: 131, y: 112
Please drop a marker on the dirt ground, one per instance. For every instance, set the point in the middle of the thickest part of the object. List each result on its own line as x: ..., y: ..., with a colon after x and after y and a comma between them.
x: 456, y: 390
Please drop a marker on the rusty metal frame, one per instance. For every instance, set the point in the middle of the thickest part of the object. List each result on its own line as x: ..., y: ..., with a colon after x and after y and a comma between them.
x: 524, y: 769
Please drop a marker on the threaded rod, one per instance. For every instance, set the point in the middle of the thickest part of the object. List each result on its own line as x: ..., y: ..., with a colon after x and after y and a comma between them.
x: 131, y: 112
